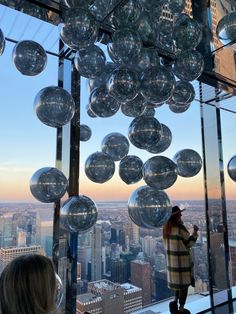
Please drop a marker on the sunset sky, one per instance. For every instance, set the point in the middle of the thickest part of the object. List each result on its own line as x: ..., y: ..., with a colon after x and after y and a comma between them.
x: 27, y: 144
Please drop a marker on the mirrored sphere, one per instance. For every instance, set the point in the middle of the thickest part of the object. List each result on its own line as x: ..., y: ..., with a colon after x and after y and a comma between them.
x: 75, y: 3
x: 134, y: 108
x: 101, y: 8
x: 78, y: 213
x: 29, y: 57
x: 127, y: 15
x: 184, y: 92
x: 99, y: 167
x: 85, y: 132
x: 90, y: 113
x: 130, y: 169
x: 164, y: 143
x: 123, y: 84
x: 144, y: 131
x: 147, y: 28
x: 90, y: 62
x: 147, y: 58
x: 188, y: 162
x: 33, y: 10
x: 54, y: 106
x: 48, y: 184
x: 159, y: 172
x: 157, y: 84
x: 115, y: 145
x: 165, y: 34
x: 2, y: 42
x: 150, y: 5
x: 126, y: 45
x: 231, y: 167
x: 188, y: 65
x: 176, y: 6
x: 102, y: 104
x: 187, y: 32
x: 79, y: 30
x: 179, y: 108
x: 149, y: 208
x: 149, y: 111
x: 226, y: 28
x: 102, y: 78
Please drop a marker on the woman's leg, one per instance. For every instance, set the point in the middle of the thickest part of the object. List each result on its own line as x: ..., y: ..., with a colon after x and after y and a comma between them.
x: 182, y: 298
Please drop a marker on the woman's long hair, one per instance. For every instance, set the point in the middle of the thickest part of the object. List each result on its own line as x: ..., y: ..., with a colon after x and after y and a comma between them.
x: 171, y: 222
x: 28, y: 286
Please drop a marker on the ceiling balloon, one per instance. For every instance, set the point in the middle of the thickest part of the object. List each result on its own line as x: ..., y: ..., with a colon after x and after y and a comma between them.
x: 127, y: 15
x: 130, y: 169
x: 226, y: 28
x: 183, y: 93
x: 188, y: 162
x: 48, y: 185
x: 164, y: 143
x: 78, y: 214
x: 135, y: 107
x: 149, y: 208
x: 231, y: 167
x: 85, y: 132
x: 176, y: 6
x: 115, y: 145
x: 2, y: 42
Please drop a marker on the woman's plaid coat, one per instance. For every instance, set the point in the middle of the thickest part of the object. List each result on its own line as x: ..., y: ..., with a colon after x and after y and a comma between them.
x: 179, y: 263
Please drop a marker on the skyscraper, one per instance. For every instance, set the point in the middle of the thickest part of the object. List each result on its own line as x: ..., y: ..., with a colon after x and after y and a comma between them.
x: 96, y: 254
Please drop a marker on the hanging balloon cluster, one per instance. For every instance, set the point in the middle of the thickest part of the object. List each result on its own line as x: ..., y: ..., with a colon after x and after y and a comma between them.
x: 138, y: 81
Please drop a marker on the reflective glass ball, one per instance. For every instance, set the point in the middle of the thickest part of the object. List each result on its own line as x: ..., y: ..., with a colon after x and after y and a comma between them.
x: 115, y: 145
x: 188, y: 162
x: 231, y: 167
x: 125, y: 46
x: 102, y: 104
x: 148, y: 58
x: 99, y: 167
x: 157, y: 84
x: 179, y: 108
x: 150, y: 5
x: 184, y: 92
x: 164, y: 143
x: 90, y: 113
x: 29, y: 57
x: 78, y: 213
x: 80, y: 29
x: 165, y: 34
x: 102, y: 78
x: 226, y: 28
x: 149, y: 208
x: 123, y: 84
x: 102, y: 8
x: 144, y: 131
x: 85, y: 132
x: 149, y: 111
x: 176, y: 6
x: 54, y: 106
x: 159, y: 172
x: 188, y: 65
x: 48, y: 184
x: 127, y: 15
x: 187, y: 33
x: 147, y: 28
x: 134, y: 108
x: 130, y: 169
x: 90, y: 62
x: 2, y: 42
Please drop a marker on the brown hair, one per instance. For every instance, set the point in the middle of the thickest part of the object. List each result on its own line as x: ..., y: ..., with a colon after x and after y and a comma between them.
x: 28, y: 286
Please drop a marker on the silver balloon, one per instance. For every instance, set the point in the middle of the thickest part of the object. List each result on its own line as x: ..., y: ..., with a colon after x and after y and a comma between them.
x: 115, y: 145
x: 2, y: 42
x: 165, y: 35
x: 99, y: 167
x: 78, y: 214
x: 123, y: 84
x: 187, y: 33
x: 85, y: 132
x: 157, y: 84
x: 34, y: 10
x: 164, y: 143
x: 149, y: 111
x: 150, y: 5
x: 184, y: 92
x: 29, y: 57
x: 90, y: 113
x: 147, y: 58
x: 226, y: 28
x: 54, y: 106
x: 80, y: 29
x: 179, y: 108
x: 149, y: 208
x: 144, y: 131
x: 102, y: 104
x: 147, y: 28
x: 48, y: 184
x: 102, y: 8
x: 76, y: 3
x: 130, y: 169
x: 134, y: 108
x: 188, y: 65
x: 90, y: 62
x: 125, y: 46
x: 102, y: 78
x: 176, y: 6
x: 127, y: 15
x: 231, y: 167
x: 159, y: 172
x: 188, y: 162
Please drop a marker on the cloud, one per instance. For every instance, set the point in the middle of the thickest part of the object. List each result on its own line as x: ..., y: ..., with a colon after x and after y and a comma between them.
x: 12, y: 167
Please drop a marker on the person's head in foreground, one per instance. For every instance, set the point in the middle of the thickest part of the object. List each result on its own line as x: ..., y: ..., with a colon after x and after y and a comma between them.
x: 28, y: 286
